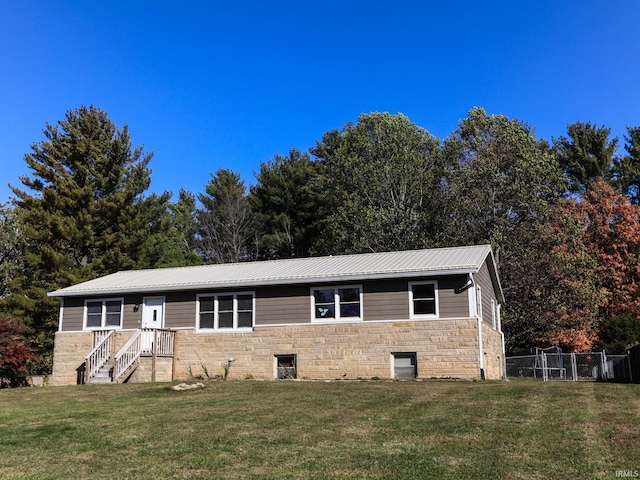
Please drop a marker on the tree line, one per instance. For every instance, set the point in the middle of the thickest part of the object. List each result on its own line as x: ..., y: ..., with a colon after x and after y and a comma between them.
x: 563, y: 216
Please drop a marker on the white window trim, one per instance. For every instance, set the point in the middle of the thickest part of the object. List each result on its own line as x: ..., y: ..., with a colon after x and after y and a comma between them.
x: 336, y: 300
x: 235, y: 328
x: 493, y: 313
x: 103, y: 319
x: 479, y: 301
x: 415, y: 316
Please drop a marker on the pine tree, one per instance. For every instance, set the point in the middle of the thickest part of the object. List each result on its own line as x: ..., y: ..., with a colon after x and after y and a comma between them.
x: 83, y: 213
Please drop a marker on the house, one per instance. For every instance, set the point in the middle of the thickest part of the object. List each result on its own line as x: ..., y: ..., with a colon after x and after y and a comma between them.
x: 422, y: 314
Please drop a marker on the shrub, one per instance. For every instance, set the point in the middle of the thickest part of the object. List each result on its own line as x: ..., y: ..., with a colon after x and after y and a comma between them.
x: 17, y: 358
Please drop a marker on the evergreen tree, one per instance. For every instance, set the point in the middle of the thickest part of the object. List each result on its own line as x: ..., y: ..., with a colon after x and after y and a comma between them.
x: 626, y: 169
x: 585, y: 155
x: 287, y: 205
x: 86, y: 215
x: 224, y: 223
x: 10, y: 248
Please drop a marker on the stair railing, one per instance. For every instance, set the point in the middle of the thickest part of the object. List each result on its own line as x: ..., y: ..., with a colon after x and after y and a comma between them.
x: 127, y: 356
x: 100, y: 354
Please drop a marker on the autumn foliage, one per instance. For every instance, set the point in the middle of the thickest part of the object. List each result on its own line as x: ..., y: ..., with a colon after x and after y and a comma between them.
x: 600, y: 274
x: 15, y: 354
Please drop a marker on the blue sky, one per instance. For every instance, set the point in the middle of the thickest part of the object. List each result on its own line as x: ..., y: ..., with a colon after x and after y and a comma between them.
x: 208, y: 85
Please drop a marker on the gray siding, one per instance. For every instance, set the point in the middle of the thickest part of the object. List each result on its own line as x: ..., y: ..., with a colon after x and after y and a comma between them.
x: 277, y: 305
x: 180, y: 310
x: 385, y: 300
x: 453, y: 297
x: 72, y: 314
x: 483, y: 278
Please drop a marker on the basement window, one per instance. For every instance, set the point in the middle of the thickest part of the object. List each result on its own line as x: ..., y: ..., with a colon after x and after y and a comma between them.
x: 405, y: 365
x: 286, y: 367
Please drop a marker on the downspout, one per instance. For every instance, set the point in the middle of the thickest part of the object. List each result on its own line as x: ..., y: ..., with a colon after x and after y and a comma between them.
x: 504, y: 350
x: 61, y: 314
x: 477, y: 314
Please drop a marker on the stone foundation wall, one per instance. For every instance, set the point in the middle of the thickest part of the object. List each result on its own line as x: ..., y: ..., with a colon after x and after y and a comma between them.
x: 493, y: 355
x: 144, y: 372
x: 444, y: 349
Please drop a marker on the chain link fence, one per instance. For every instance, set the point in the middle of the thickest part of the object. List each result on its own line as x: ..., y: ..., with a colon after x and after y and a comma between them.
x: 590, y: 366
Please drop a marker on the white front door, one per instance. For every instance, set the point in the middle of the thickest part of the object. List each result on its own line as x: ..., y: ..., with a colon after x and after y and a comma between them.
x: 152, y: 317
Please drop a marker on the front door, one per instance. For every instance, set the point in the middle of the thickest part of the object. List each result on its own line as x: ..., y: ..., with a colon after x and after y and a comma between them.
x: 152, y: 318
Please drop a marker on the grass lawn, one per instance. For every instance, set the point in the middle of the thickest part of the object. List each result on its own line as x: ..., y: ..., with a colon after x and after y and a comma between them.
x: 290, y: 429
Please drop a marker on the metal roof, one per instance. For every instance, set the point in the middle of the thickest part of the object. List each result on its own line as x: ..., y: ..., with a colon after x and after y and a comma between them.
x: 339, y: 268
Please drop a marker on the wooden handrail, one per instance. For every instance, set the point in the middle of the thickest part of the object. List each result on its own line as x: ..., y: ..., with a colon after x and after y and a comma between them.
x: 100, y: 354
x: 127, y: 355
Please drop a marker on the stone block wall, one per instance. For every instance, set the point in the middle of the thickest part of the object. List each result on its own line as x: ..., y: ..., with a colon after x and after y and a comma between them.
x: 443, y: 348
x: 493, y: 355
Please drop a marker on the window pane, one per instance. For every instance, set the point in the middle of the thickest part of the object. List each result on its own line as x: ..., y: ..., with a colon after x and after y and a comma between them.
x: 225, y: 303
x: 206, y: 320
x: 323, y: 296
x: 206, y: 304
x: 424, y: 307
x: 424, y: 291
x: 349, y: 294
x: 94, y: 308
x: 404, y: 365
x: 245, y: 302
x: 113, y: 313
x: 225, y: 319
x: 350, y: 310
x: 325, y: 311
x: 245, y: 319
x: 94, y: 314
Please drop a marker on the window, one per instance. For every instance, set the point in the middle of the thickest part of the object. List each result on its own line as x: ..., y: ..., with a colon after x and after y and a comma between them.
x: 405, y: 365
x: 105, y: 313
x: 423, y: 300
x: 231, y: 311
x: 337, y: 304
x: 285, y: 366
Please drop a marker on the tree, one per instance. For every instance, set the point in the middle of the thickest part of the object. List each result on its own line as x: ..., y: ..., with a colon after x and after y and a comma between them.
x: 626, y: 169
x: 86, y: 217
x: 559, y: 297
x: 224, y: 223
x: 381, y: 181
x: 287, y: 205
x: 16, y: 356
x: 611, y: 227
x: 175, y: 244
x: 618, y: 333
x: 498, y: 178
x: 10, y: 248
x: 586, y: 154
x: 499, y: 183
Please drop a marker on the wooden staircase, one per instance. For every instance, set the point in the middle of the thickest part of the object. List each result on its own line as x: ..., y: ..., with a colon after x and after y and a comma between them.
x: 102, y: 366
x: 104, y: 373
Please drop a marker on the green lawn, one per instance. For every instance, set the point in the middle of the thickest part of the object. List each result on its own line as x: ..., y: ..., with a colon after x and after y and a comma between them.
x: 290, y: 429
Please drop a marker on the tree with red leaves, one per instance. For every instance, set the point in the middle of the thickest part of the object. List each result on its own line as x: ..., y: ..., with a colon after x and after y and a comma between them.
x: 16, y: 356
x: 612, y: 232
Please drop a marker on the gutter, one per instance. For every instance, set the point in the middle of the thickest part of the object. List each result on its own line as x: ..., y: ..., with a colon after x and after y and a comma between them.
x: 479, y: 323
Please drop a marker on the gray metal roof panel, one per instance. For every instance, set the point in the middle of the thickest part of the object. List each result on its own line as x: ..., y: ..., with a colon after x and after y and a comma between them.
x: 288, y: 271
